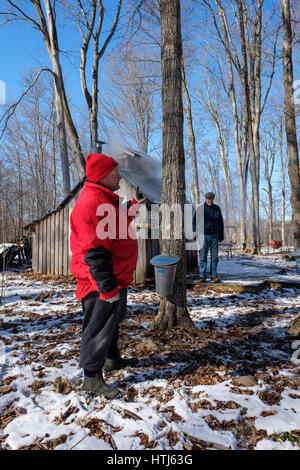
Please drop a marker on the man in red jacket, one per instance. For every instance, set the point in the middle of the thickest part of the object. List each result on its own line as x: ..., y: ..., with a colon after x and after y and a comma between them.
x: 104, y: 256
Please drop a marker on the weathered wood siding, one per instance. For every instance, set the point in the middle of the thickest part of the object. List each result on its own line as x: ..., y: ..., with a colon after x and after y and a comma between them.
x: 50, y: 244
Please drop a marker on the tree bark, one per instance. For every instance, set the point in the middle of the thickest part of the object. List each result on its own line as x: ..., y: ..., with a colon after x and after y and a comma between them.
x: 270, y: 142
x: 93, y: 31
x: 59, y: 106
x: 192, y: 140
x: 283, y: 161
x: 270, y: 212
x: 173, y: 309
x: 248, y: 83
x: 290, y: 120
x: 72, y: 131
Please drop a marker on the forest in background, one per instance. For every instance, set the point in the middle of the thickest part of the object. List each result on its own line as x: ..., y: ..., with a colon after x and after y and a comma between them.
x: 232, y: 63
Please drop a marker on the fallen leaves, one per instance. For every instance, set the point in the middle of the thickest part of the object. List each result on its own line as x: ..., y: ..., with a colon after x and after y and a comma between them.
x: 294, y: 396
x: 239, y: 342
x: 241, y: 391
x: 131, y: 394
x: 144, y: 440
x: 213, y: 422
x: 64, y: 416
x: 203, y: 376
x: 266, y: 413
x: 174, y: 417
x: 10, y: 414
x: 95, y: 429
x: 153, y: 391
x: 173, y: 438
x: 226, y: 405
x: 269, y: 397
x: 47, y: 445
x: 202, y: 404
x: 37, y: 385
x: 6, y: 389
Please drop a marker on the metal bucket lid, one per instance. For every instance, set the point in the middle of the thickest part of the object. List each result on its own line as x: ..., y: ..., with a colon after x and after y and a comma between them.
x: 164, y: 260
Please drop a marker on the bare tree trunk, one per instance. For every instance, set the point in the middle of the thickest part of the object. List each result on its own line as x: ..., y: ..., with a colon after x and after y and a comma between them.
x: 249, y: 90
x: 192, y: 140
x: 68, y: 121
x: 20, y: 200
x: 173, y: 310
x: 250, y: 235
x: 270, y: 212
x: 243, y: 212
x: 270, y: 143
x: 54, y: 56
x: 283, y: 162
x: 290, y: 121
x: 89, y: 29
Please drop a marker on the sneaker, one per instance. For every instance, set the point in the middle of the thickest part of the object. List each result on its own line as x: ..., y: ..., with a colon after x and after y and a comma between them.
x: 201, y: 279
x: 97, y: 386
x: 119, y: 363
x: 215, y: 279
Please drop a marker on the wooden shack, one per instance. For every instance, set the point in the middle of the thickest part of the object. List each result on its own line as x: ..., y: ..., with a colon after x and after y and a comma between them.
x: 50, y: 235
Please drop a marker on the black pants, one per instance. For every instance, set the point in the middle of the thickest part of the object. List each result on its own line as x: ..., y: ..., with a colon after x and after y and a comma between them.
x: 100, y: 329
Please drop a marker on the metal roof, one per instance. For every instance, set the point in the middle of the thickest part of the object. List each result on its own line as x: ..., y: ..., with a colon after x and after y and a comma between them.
x: 151, y: 188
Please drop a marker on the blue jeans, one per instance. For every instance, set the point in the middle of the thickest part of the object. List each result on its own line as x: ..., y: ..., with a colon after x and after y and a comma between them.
x: 210, y: 242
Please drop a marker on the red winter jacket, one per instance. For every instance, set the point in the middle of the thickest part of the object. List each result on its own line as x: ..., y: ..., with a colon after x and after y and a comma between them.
x: 103, y: 265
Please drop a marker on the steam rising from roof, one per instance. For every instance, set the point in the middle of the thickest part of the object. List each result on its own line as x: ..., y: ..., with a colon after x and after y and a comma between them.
x: 138, y: 169
x: 137, y: 163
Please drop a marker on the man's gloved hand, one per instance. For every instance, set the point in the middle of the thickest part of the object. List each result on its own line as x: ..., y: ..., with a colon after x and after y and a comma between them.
x: 113, y: 299
x: 139, y: 197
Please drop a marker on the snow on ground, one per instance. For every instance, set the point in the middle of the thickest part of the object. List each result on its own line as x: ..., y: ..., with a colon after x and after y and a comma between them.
x: 244, y: 268
x: 182, y: 395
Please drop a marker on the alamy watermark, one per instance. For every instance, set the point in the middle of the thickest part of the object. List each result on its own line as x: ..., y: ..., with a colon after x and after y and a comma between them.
x: 155, y: 221
x: 2, y: 92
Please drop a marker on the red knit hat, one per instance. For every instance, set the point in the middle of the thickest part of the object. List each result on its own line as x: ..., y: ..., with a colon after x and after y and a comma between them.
x: 98, y: 166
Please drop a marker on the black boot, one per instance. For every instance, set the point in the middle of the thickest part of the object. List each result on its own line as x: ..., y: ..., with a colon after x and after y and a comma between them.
x: 119, y: 363
x: 97, y: 386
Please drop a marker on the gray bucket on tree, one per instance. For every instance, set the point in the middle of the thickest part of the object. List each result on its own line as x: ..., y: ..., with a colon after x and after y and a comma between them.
x: 165, y: 270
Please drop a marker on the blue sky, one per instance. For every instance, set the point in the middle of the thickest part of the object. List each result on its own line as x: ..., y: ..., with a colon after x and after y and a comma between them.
x: 22, y: 48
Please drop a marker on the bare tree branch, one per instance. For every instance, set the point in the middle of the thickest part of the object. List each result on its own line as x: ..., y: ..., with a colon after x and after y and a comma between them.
x: 10, y: 111
x: 28, y: 18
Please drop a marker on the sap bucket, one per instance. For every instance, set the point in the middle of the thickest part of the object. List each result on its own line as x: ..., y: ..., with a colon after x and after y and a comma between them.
x: 165, y: 269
